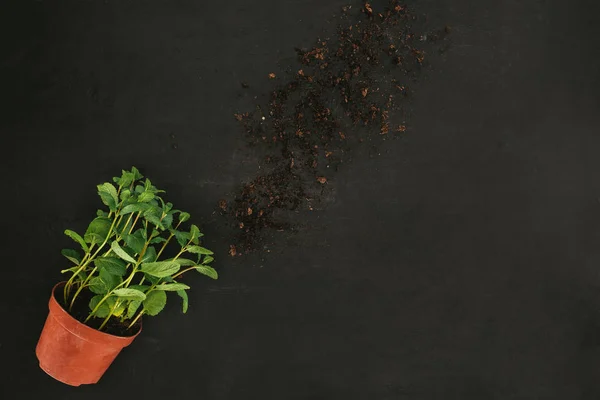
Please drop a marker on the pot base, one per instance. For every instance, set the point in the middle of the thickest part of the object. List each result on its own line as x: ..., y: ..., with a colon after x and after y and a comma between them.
x: 72, y: 352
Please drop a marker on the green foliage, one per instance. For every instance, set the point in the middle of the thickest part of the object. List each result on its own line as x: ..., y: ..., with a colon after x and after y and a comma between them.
x: 111, y: 265
x: 172, y: 287
x: 71, y: 255
x: 75, y: 236
x: 103, y: 310
x: 184, y: 300
x: 130, y: 294
x: 129, y: 259
x: 184, y: 262
x: 155, y: 302
x: 98, y: 230
x: 199, y: 250
x: 160, y: 269
x: 116, y: 248
x: 109, y: 196
x: 135, y: 241
x: 208, y: 271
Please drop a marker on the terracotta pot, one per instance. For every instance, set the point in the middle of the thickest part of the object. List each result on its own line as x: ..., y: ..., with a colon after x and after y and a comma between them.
x: 74, y: 353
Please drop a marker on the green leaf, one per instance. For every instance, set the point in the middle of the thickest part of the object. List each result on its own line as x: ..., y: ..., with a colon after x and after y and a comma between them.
x: 158, y: 239
x: 183, y: 216
x: 126, y: 178
x: 125, y: 194
x: 120, y: 252
x: 199, y: 250
x: 130, y: 294
x: 112, y: 265
x: 71, y: 255
x: 98, y: 230
x: 145, y: 197
x: 103, y: 310
x: 167, y: 220
x: 75, y: 236
x: 152, y: 279
x: 184, y: 262
x: 108, y: 194
x: 98, y: 286
x: 120, y: 307
x: 154, y: 220
x: 208, y: 271
x: 149, y: 255
x: 155, y: 302
x: 184, y: 300
x: 101, y: 213
x: 136, y: 173
x: 168, y: 207
x: 135, y: 241
x: 194, y: 234
x: 171, y: 287
x: 141, y: 288
x: 132, y: 308
x: 109, y: 279
x: 104, y: 283
x: 182, y: 237
x: 207, y: 260
x: 136, y: 207
x: 160, y: 269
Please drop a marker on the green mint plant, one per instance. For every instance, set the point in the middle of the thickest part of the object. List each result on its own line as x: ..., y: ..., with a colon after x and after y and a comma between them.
x: 120, y: 258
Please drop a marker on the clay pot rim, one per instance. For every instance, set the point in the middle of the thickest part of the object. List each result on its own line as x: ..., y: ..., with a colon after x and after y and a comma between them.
x: 89, y: 334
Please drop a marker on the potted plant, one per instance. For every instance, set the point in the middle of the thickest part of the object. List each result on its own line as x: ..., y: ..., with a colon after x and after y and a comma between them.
x: 130, y: 256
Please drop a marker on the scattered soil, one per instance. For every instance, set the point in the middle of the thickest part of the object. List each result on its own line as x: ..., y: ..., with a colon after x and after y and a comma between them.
x: 81, y: 311
x: 347, y: 90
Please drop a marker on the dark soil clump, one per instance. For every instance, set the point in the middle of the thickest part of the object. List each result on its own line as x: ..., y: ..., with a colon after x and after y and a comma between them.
x: 347, y: 91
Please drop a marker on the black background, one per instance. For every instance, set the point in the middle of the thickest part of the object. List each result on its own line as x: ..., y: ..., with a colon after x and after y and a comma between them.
x: 461, y: 263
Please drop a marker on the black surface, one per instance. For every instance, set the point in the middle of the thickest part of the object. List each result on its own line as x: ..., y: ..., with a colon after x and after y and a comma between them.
x: 461, y: 263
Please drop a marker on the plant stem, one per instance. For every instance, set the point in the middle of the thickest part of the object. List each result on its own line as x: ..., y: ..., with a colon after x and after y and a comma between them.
x: 125, y: 227
x: 109, y: 314
x: 183, y: 272
x: 167, y: 242
x: 135, y: 222
x: 136, y: 319
x: 125, y: 283
x: 70, y: 281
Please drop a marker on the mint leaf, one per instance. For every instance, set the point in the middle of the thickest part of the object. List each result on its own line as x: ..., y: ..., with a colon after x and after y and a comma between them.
x: 71, y: 255
x: 155, y: 302
x: 103, y: 310
x: 132, y: 308
x: 108, y: 194
x: 184, y: 300
x: 182, y: 237
x: 160, y: 269
x: 208, y: 271
x: 183, y: 216
x: 149, y: 255
x: 145, y: 197
x: 130, y: 294
x: 136, y: 207
x: 184, y: 262
x: 75, y: 236
x: 135, y: 241
x: 121, y: 253
x: 199, y: 250
x: 171, y: 287
x: 112, y: 265
x: 98, y: 230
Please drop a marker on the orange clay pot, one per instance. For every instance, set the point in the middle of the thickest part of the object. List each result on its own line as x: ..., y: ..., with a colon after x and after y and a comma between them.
x: 72, y: 352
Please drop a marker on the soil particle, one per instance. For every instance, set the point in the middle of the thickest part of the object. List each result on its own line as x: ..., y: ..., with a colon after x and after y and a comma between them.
x: 349, y: 90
